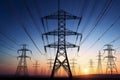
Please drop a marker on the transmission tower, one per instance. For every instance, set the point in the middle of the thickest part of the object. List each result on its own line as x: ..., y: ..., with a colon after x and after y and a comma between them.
x: 61, y: 16
x: 36, y: 65
x: 91, y: 70
x: 79, y: 70
x: 111, y: 66
x: 22, y: 65
x: 50, y: 63
x: 73, y: 65
x: 99, y: 67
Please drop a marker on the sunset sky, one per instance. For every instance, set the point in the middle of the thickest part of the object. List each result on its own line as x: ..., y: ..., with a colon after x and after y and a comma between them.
x: 100, y: 25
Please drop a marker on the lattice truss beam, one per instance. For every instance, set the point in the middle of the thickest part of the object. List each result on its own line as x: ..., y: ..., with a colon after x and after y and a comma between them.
x: 61, y: 44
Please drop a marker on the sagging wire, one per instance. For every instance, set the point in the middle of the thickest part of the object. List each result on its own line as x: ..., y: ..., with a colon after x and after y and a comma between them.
x: 7, y: 44
x: 42, y: 20
x: 106, y: 32
x: 100, y: 16
x: 115, y: 40
x: 9, y: 38
x: 32, y: 40
x: 7, y: 47
x: 4, y: 53
x: 90, y: 15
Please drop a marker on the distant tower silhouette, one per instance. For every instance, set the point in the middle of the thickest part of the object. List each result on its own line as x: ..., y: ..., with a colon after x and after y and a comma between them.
x: 50, y: 64
x: 73, y: 65
x: 99, y: 67
x: 36, y: 65
x: 79, y: 71
x: 91, y: 70
x: 22, y: 65
x: 111, y: 66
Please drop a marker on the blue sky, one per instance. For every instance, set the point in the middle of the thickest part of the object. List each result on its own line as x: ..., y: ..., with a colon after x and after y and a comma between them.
x: 14, y: 14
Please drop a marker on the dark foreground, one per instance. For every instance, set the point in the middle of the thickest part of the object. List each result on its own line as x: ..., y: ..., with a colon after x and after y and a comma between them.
x: 83, y: 77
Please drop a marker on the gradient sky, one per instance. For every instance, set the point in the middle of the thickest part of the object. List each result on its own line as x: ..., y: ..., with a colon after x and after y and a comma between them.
x: 15, y: 13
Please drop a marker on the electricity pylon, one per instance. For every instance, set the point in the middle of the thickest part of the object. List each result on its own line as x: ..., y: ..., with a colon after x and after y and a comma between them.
x: 99, y: 67
x: 61, y: 16
x: 73, y: 63
x: 50, y: 64
x: 79, y: 70
x: 111, y: 66
x: 91, y: 70
x: 22, y: 65
x: 36, y: 65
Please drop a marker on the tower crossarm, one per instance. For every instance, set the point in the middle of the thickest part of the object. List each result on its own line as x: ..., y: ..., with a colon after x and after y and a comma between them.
x: 110, y: 57
x: 68, y: 32
x: 24, y: 56
x: 55, y: 15
x: 55, y: 45
x: 109, y: 49
x: 20, y: 50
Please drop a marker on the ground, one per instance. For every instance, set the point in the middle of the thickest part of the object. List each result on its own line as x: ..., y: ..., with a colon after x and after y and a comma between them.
x: 83, y: 77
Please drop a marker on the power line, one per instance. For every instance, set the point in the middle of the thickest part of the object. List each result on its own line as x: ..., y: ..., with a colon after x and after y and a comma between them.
x: 3, y: 41
x: 89, y: 17
x: 105, y: 33
x: 83, y: 7
x: 9, y: 38
x: 4, y: 53
x: 115, y: 40
x: 39, y: 13
x: 85, y: 2
x: 32, y: 40
x: 79, y: 22
x: 100, y: 17
x: 105, y: 11
x: 42, y: 21
x: 32, y: 18
x: 47, y: 36
x: 37, y: 28
x: 6, y: 47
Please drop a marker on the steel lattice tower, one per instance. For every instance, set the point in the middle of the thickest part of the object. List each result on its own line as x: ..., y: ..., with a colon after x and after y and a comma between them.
x: 50, y: 63
x: 22, y: 65
x: 79, y: 71
x: 99, y: 67
x: 36, y: 65
x: 73, y: 65
x: 111, y: 66
x: 61, y: 16
x: 91, y: 66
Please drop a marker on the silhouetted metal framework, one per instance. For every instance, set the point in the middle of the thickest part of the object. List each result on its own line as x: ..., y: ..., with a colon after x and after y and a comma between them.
x: 22, y: 65
x: 99, y: 67
x: 91, y: 70
x: 50, y: 63
x: 61, y: 44
x: 73, y: 63
x: 111, y: 66
x: 36, y: 65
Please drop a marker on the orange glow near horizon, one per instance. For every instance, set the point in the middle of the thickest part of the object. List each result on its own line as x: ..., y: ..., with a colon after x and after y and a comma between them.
x: 43, y: 68
x: 86, y: 71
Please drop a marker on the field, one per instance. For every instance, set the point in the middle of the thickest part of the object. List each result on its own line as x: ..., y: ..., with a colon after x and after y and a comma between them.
x: 82, y: 77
